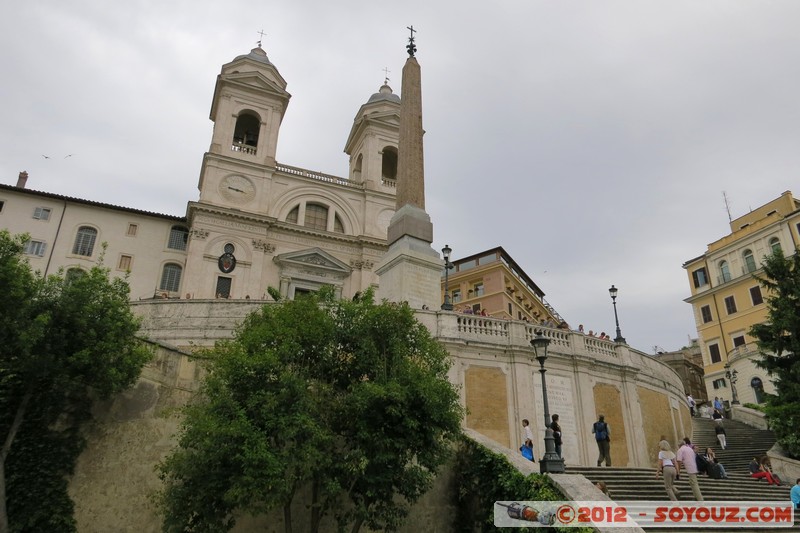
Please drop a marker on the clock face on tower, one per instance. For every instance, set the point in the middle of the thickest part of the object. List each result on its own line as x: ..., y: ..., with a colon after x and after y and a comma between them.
x: 237, y: 189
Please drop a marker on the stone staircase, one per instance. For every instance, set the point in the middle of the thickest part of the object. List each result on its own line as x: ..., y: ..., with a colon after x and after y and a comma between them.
x: 744, y: 442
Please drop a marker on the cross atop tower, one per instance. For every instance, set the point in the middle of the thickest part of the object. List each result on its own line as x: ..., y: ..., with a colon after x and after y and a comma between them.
x: 386, y: 77
x: 261, y: 34
x: 411, y: 47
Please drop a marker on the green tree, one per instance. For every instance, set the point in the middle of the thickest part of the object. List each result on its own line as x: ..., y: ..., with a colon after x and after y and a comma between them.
x: 348, y: 400
x: 779, y: 341
x: 62, y: 344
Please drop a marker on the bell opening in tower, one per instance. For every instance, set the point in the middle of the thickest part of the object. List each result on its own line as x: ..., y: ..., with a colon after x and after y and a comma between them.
x: 389, y: 163
x: 245, y: 135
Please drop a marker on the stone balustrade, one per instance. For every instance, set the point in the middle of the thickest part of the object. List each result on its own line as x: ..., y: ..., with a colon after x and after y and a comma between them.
x: 319, y: 176
x: 495, y: 370
x: 243, y: 148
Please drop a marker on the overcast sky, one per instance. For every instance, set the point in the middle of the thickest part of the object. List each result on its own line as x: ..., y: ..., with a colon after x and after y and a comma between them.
x: 591, y: 139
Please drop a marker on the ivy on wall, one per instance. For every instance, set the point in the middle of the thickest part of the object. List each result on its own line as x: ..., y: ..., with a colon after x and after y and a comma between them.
x: 484, y: 477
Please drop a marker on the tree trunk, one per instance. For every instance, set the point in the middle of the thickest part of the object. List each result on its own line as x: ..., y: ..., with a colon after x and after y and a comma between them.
x: 12, y: 433
x: 315, y: 510
x: 287, y: 517
x: 357, y: 525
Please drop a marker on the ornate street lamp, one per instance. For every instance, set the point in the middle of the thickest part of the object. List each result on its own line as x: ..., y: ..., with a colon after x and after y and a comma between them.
x: 613, y: 292
x: 446, y: 251
x: 732, y: 377
x: 550, y: 462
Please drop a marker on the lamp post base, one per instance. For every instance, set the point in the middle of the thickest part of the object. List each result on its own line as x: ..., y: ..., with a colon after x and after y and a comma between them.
x: 550, y: 461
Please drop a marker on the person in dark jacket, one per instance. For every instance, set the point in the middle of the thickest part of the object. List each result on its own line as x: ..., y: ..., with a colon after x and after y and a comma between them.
x: 603, y: 437
x: 556, y: 434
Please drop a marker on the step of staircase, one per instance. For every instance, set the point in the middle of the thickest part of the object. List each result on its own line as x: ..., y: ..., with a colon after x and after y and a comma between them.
x: 744, y: 442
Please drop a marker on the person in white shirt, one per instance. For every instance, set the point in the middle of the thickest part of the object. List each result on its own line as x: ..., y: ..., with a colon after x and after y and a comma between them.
x: 666, y: 466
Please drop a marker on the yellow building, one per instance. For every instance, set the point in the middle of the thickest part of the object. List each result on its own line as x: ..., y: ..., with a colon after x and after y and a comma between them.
x: 727, y: 299
x: 493, y: 284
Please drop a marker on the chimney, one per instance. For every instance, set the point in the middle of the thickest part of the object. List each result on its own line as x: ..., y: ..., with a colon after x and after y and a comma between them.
x: 23, y: 178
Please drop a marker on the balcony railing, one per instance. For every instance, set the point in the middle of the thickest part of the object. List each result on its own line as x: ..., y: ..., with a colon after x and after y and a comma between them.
x: 243, y: 148
x: 319, y: 176
x: 743, y: 350
x: 519, y: 333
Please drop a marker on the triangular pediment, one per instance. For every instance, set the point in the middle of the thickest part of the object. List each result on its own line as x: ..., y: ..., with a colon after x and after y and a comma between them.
x: 255, y: 80
x: 314, y: 259
x: 251, y: 81
x: 388, y: 119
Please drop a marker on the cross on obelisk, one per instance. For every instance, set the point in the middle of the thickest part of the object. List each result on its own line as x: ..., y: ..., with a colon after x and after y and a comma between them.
x: 261, y: 34
x: 411, y: 47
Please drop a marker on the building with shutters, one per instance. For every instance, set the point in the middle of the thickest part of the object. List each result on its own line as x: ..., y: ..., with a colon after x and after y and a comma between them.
x: 727, y: 299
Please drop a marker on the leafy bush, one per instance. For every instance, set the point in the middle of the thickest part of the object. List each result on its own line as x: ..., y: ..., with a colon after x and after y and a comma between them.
x: 484, y: 477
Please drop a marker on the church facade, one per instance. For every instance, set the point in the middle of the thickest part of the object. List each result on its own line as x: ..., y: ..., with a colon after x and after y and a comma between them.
x: 256, y: 223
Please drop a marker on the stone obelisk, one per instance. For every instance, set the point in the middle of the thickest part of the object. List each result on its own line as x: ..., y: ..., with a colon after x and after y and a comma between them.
x: 411, y: 270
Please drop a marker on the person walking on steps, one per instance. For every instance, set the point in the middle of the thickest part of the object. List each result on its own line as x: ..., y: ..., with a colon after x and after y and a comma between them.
x: 722, y: 436
x: 666, y: 467
x: 603, y: 437
x: 687, y: 457
x: 692, y: 404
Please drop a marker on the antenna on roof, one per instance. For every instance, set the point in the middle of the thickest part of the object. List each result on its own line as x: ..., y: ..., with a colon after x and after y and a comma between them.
x: 727, y: 206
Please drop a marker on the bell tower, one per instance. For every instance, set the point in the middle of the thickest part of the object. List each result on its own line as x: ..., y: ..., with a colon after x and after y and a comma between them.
x: 247, y: 108
x: 249, y: 102
x: 374, y: 138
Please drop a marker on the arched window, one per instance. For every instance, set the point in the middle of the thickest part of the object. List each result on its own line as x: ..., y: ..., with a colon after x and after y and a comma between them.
x: 171, y: 278
x: 84, y: 241
x: 73, y: 274
x: 775, y: 245
x: 389, y: 163
x: 316, y: 216
x: 245, y: 135
x: 725, y: 272
x: 758, y: 389
x: 749, y: 261
x: 178, y: 236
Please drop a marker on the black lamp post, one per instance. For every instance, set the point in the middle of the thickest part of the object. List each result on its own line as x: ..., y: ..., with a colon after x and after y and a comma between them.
x: 732, y: 377
x: 446, y: 251
x: 613, y: 292
x: 550, y: 462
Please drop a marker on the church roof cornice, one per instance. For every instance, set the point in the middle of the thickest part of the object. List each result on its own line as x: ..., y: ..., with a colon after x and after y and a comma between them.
x: 83, y: 201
